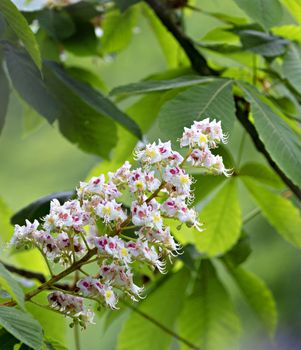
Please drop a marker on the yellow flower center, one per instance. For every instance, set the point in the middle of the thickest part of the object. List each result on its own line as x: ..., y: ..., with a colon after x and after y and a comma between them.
x: 184, y: 179
x: 157, y: 218
x: 107, y: 210
x: 109, y: 293
x: 150, y: 153
x: 139, y: 185
x: 203, y: 138
x: 124, y: 252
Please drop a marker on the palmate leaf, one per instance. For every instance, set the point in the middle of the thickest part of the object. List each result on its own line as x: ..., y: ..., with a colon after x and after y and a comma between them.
x: 222, y: 221
x: 257, y: 295
x: 280, y: 140
x: 213, y: 100
x: 279, y: 211
x: 10, y: 285
x: 160, y: 85
x: 19, y: 25
x: 266, y: 12
x: 164, y: 306
x: 208, y: 318
x: 22, y: 326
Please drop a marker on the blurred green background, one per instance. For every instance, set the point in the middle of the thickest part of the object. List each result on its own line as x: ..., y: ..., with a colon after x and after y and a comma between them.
x: 38, y: 161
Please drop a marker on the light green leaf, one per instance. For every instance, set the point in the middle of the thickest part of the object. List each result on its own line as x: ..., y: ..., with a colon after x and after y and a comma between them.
x: 4, y: 96
x: 279, y: 211
x: 258, y: 296
x: 118, y: 29
x: 160, y: 85
x: 208, y: 318
x: 292, y: 66
x: 22, y: 326
x: 163, y: 305
x: 9, y: 284
x: 294, y: 7
x: 171, y: 49
x: 261, y: 173
x: 280, y: 140
x: 222, y: 221
x: 213, y: 100
x: 268, y: 13
x: 19, y: 25
x: 288, y: 31
x: 5, y: 226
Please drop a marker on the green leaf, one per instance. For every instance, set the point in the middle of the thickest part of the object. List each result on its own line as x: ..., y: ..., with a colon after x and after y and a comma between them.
x: 257, y: 295
x: 92, y: 98
x: 7, y: 340
x: 262, y: 174
x: 288, y: 31
x: 163, y: 305
x: 292, y: 66
x: 279, y: 211
x: 5, y: 227
x: 222, y: 221
x: 9, y: 284
x: 294, y: 7
x: 240, y: 252
x: 22, y: 326
x: 262, y: 43
x: 268, y: 13
x: 280, y: 140
x: 213, y: 100
x: 19, y: 25
x: 39, y: 208
x: 208, y: 318
x: 118, y: 30
x: 57, y: 23
x: 125, y: 4
x: 4, y: 96
x: 159, y: 85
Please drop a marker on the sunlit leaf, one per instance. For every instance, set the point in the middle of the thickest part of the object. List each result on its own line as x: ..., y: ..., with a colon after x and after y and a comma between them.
x: 292, y: 66
x: 288, y: 31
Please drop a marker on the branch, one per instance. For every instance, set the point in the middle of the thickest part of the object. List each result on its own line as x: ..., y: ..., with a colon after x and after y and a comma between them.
x: 200, y: 65
x: 198, y: 62
x: 242, y: 114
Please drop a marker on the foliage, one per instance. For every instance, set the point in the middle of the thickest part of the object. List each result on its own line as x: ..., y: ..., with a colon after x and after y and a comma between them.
x: 243, y: 69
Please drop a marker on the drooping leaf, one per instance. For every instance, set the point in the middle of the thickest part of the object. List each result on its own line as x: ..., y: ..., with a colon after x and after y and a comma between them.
x: 257, y: 295
x: 279, y: 211
x: 159, y: 85
x: 19, y: 25
x: 280, y: 140
x: 22, y: 326
x: 39, y: 208
x: 262, y: 174
x: 261, y: 43
x: 4, y: 96
x: 213, y: 100
x: 222, y: 221
x: 118, y: 30
x: 9, y: 284
x: 163, y: 305
x: 266, y: 12
x: 208, y: 318
x: 292, y: 66
x: 94, y: 99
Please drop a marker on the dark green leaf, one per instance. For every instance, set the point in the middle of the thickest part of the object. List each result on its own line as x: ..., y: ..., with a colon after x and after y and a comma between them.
x: 280, y: 140
x: 262, y: 43
x: 159, y: 85
x: 39, y: 208
x: 22, y: 326
x: 8, y: 283
x: 266, y: 12
x: 19, y: 25
x: 94, y: 99
x: 4, y: 96
x: 58, y: 23
x: 240, y: 252
x: 125, y: 4
x: 7, y: 340
x: 292, y: 66
x: 213, y: 100
x: 208, y: 318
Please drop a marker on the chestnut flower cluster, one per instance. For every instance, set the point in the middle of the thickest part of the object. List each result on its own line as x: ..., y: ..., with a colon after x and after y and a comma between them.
x: 101, y: 226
